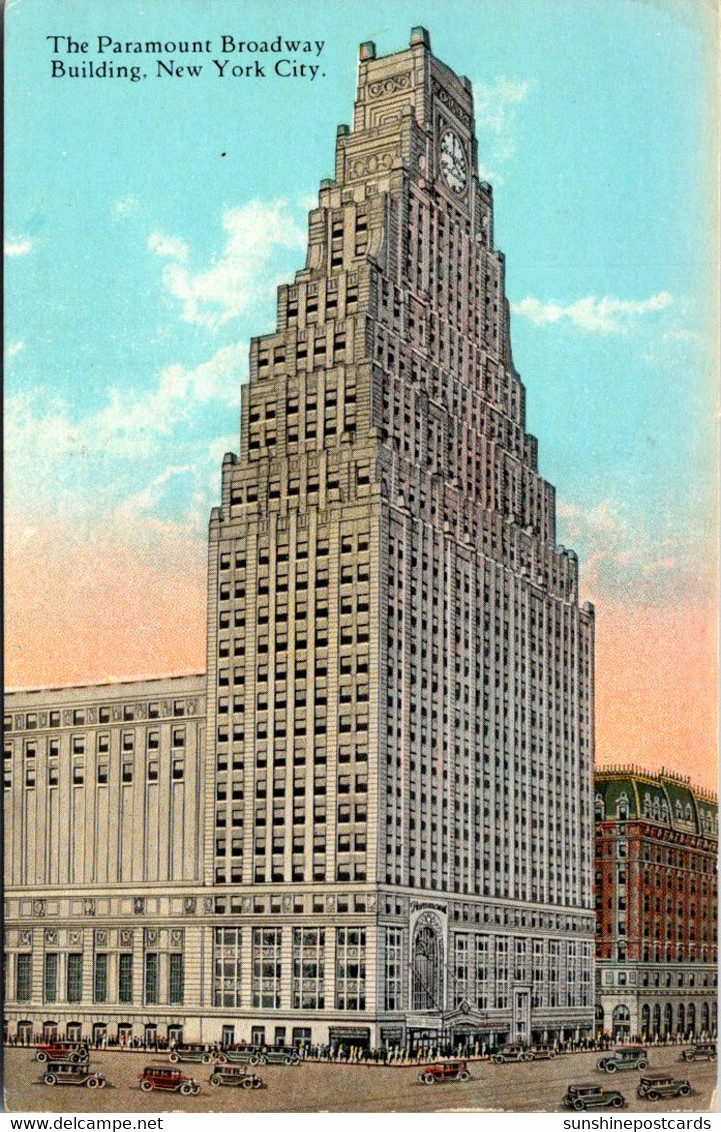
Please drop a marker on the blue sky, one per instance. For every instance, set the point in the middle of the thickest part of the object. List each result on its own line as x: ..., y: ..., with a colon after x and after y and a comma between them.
x: 148, y: 224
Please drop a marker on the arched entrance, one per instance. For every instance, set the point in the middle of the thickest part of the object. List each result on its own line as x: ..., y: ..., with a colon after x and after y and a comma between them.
x: 691, y: 1023
x: 645, y: 1022
x: 681, y: 1024
x: 621, y: 1022
x: 427, y: 964
x: 668, y: 1020
x: 704, y: 1018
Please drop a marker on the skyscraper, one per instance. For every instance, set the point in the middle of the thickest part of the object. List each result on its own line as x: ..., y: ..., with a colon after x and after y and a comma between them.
x: 382, y: 830
x: 400, y: 676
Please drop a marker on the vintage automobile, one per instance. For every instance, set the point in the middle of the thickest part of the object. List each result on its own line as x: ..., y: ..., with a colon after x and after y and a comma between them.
x: 630, y: 1057
x: 235, y: 1075
x: 444, y: 1071
x: 190, y: 1052
x: 72, y: 1073
x: 580, y: 1097
x: 513, y: 1051
x: 236, y: 1055
x: 167, y: 1079
x: 62, y: 1051
x: 700, y: 1051
x: 274, y: 1055
x: 541, y: 1052
x: 653, y: 1086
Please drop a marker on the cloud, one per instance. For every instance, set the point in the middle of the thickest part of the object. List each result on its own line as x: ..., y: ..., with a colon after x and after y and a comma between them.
x: 604, y: 316
x: 241, y: 274
x: 14, y: 348
x: 129, y: 423
x: 167, y: 246
x: 127, y: 207
x: 496, y: 110
x: 19, y: 245
x: 641, y: 562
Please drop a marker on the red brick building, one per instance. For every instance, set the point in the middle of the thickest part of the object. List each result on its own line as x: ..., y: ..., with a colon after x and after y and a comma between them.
x: 656, y: 892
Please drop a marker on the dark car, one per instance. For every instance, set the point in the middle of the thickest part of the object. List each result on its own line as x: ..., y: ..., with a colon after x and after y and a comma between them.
x: 235, y: 1075
x: 236, y: 1055
x: 700, y: 1051
x: 580, y: 1097
x: 190, y: 1052
x: 443, y: 1071
x: 278, y: 1055
x: 541, y: 1052
x: 167, y: 1079
x: 513, y: 1051
x: 632, y: 1057
x: 72, y: 1073
x: 62, y: 1051
x: 653, y: 1086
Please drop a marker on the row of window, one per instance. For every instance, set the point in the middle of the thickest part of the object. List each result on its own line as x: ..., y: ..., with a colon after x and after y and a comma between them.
x: 30, y: 721
x: 74, y: 973
x: 309, y: 968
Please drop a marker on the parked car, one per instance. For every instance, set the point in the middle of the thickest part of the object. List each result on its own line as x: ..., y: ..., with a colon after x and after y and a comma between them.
x: 513, y: 1051
x: 540, y: 1052
x: 236, y: 1055
x: 72, y: 1073
x: 580, y: 1097
x: 235, y: 1075
x: 444, y: 1071
x: 167, y: 1079
x: 700, y: 1051
x: 190, y: 1052
x: 631, y: 1057
x: 653, y: 1086
x: 62, y: 1051
x: 278, y: 1055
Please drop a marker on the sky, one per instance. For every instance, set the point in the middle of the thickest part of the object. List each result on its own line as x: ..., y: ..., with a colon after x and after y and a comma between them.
x: 148, y: 224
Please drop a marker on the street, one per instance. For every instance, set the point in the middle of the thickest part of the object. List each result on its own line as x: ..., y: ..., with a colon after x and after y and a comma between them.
x: 322, y: 1087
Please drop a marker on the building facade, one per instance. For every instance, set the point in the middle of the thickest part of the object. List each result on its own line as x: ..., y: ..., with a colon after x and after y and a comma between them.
x: 396, y: 807
x: 656, y: 905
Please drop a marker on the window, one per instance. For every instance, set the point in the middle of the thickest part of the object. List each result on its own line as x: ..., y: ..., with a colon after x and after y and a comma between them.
x: 350, y: 976
x: 175, y: 978
x: 227, y: 967
x: 266, y: 967
x: 394, y: 944
x: 100, y: 977
x: 23, y: 977
x: 502, y: 994
x: 125, y: 977
x: 50, y: 978
x: 75, y: 977
x: 151, y: 978
x: 308, y: 968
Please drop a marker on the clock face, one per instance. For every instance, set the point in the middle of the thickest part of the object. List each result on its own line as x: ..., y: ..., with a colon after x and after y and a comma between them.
x: 454, y: 165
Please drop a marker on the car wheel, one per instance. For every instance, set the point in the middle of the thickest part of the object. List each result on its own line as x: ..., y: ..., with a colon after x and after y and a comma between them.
x: 174, y: 1058
x: 610, y: 1067
x: 41, y: 1056
x: 257, y: 1083
x: 50, y: 1079
x: 101, y: 1082
x: 684, y: 1091
x: 651, y: 1094
x: 146, y: 1086
x: 552, y: 1053
x: 92, y: 1082
x: 254, y: 1060
x: 579, y: 1106
x: 617, y: 1102
x: 247, y: 1082
x: 642, y: 1064
x: 428, y: 1079
x: 287, y: 1060
x: 214, y: 1079
x: 75, y: 1058
x: 527, y: 1057
x: 186, y: 1089
x: 220, y: 1058
x: 498, y: 1059
x: 464, y: 1075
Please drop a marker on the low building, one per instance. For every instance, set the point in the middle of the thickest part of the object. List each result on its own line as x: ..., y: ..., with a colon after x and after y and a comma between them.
x: 656, y: 905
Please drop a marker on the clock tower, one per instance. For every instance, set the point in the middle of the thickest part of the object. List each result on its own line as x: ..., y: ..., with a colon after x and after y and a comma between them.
x: 400, y: 673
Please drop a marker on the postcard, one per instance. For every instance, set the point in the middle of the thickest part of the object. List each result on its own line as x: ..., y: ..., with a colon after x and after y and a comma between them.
x: 360, y: 608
